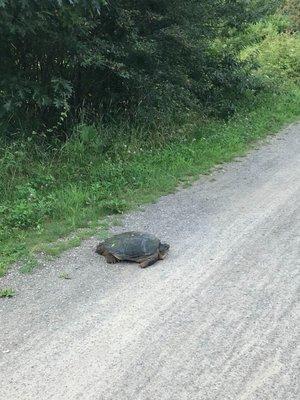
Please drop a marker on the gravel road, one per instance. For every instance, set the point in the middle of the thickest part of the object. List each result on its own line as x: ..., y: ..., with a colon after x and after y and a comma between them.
x: 216, y: 320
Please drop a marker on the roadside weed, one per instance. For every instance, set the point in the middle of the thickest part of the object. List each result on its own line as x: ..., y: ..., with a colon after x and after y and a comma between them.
x: 6, y: 292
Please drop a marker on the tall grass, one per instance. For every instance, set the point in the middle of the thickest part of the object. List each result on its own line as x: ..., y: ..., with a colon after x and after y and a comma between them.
x: 47, y: 193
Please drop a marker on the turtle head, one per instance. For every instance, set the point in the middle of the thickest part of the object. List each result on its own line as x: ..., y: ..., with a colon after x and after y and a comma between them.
x: 100, y: 248
x: 163, y: 248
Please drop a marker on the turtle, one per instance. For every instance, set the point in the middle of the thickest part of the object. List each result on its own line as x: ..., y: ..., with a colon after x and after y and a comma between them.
x: 139, y: 247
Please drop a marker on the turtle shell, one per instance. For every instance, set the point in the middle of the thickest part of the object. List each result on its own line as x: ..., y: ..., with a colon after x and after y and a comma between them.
x: 132, y: 246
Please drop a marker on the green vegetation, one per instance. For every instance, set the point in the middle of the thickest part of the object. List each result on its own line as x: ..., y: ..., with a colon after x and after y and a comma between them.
x: 6, y: 292
x: 277, y: 51
x: 70, y: 60
x: 29, y: 263
x: 136, y: 99
x: 64, y: 275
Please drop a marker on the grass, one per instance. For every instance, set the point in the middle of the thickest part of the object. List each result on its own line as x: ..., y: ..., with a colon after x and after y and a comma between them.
x: 49, y: 193
x: 29, y: 263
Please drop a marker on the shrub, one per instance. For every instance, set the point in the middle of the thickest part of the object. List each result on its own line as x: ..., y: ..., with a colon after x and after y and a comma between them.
x: 292, y: 9
x: 27, y: 211
x: 278, y: 57
x: 122, y: 57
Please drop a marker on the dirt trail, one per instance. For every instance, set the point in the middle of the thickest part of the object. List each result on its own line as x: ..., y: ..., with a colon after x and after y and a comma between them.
x: 215, y: 320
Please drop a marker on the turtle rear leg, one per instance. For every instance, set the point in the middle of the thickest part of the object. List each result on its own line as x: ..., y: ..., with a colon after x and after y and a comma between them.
x: 149, y: 261
x: 110, y: 259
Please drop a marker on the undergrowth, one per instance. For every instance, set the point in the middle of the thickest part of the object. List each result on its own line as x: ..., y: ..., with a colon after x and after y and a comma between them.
x: 49, y: 192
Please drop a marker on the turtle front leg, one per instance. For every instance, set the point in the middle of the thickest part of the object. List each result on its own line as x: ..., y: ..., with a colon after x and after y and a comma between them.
x: 161, y: 256
x: 149, y: 261
x: 110, y: 259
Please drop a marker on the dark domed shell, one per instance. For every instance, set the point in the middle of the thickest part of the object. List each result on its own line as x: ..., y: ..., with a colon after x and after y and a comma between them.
x: 132, y: 245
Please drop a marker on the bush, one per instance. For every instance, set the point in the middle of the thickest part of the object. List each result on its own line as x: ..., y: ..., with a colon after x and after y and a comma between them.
x: 28, y: 209
x: 61, y: 58
x: 277, y: 56
x: 292, y: 9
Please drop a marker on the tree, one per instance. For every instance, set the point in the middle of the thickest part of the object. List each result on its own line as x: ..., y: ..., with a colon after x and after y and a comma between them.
x: 118, y: 56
